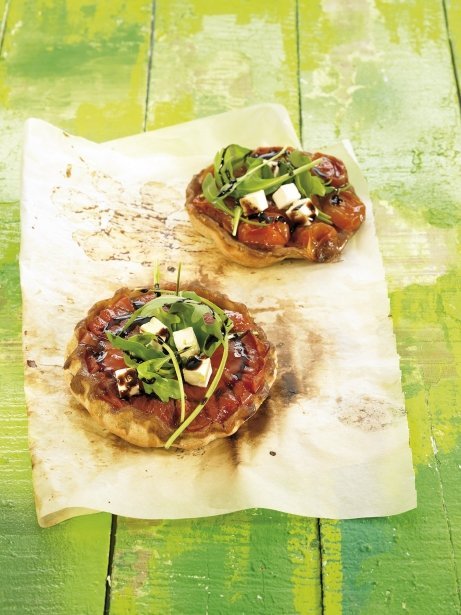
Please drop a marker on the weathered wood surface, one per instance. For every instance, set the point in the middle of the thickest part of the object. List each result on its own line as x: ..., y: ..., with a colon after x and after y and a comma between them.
x: 381, y: 75
x: 84, y: 66
x: 378, y: 72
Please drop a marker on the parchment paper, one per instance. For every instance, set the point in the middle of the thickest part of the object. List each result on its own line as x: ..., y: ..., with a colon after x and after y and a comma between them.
x: 332, y: 440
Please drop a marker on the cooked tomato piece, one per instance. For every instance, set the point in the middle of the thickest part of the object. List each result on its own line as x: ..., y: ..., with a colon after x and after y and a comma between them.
x: 235, y: 362
x: 255, y: 347
x: 108, y: 391
x: 97, y: 325
x: 253, y: 381
x: 113, y: 359
x: 242, y: 392
x: 330, y: 169
x: 195, y: 394
x: 92, y: 364
x: 227, y: 403
x: 123, y: 305
x: 89, y: 339
x: 107, y: 314
x: 166, y: 411
x: 346, y: 210
x: 320, y: 241
x: 265, y: 236
x: 201, y: 420
x: 241, y: 323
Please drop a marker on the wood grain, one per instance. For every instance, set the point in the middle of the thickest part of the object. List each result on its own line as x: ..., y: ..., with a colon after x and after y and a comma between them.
x: 253, y: 561
x: 380, y: 74
x: 453, y: 17
x: 83, y: 66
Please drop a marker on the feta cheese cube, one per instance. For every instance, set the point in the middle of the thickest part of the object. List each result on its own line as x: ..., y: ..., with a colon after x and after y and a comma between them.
x: 156, y: 327
x: 200, y: 375
x: 254, y: 201
x: 286, y: 195
x: 127, y: 381
x: 301, y: 212
x: 186, y: 342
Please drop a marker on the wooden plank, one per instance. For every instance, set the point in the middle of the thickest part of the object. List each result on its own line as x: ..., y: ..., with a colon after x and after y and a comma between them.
x: 210, y: 57
x: 4, y: 6
x: 380, y: 74
x: 252, y: 561
x: 215, y: 56
x: 40, y: 570
x: 84, y: 66
x: 453, y: 15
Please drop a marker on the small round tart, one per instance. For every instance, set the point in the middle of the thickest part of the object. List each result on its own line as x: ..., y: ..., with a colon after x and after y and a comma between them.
x: 265, y: 205
x: 160, y: 368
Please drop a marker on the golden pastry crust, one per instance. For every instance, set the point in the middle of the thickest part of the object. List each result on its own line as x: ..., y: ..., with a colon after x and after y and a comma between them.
x: 140, y: 425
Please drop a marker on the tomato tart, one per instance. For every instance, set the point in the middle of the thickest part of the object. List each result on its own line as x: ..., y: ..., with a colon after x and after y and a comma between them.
x: 162, y: 367
x: 268, y: 204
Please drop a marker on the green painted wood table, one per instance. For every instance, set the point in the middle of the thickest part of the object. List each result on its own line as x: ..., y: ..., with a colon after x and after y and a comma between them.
x: 384, y: 73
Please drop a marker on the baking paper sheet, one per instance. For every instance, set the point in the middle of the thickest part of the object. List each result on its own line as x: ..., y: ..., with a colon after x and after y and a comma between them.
x: 331, y: 441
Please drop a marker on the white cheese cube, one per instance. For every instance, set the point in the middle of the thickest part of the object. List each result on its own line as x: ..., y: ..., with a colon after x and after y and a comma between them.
x: 156, y: 327
x: 127, y: 381
x: 286, y: 195
x: 186, y: 342
x: 301, y: 212
x: 200, y: 376
x: 253, y: 202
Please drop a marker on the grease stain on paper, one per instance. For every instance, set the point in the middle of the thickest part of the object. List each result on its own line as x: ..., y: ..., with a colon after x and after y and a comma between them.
x: 368, y: 413
x: 99, y: 215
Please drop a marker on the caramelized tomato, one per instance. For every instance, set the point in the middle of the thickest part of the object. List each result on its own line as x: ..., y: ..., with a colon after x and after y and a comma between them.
x: 267, y: 236
x: 320, y: 241
x: 330, y: 169
x: 346, y: 210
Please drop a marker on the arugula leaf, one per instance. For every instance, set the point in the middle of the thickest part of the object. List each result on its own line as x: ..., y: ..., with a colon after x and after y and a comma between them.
x: 217, y: 164
x: 211, y: 192
x: 164, y: 388
x: 211, y: 389
x: 227, y: 161
x: 149, y: 369
x: 235, y: 222
x: 306, y: 183
x: 148, y: 309
x: 262, y: 170
x: 226, y: 321
x: 156, y: 361
x: 136, y: 346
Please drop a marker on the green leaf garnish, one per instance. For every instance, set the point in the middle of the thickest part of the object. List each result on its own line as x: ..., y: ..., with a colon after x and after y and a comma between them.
x: 227, y: 161
x: 156, y: 360
x: 156, y: 274
x: 322, y: 217
x: 178, y: 277
x: 237, y: 215
x: 212, y: 194
x: 178, y: 379
x: 164, y: 388
x: 136, y: 346
x: 226, y: 182
x: 150, y: 308
x: 211, y: 389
